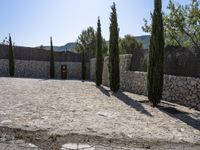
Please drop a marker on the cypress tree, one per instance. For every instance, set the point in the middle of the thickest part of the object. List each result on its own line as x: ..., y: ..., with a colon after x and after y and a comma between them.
x: 11, y: 58
x: 114, y: 51
x: 99, y: 56
x: 52, y: 67
x: 83, y: 66
x: 156, y: 58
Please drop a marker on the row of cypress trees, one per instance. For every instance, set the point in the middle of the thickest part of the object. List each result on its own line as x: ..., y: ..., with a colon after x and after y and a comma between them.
x: 12, y: 60
x: 155, y: 58
x: 113, y: 53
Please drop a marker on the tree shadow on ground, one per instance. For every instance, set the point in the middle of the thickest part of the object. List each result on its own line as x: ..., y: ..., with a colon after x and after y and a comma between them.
x: 132, y: 103
x: 126, y: 99
x: 181, y: 115
x: 104, y: 91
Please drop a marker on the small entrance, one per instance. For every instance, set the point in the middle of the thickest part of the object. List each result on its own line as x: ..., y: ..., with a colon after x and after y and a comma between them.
x: 63, y: 71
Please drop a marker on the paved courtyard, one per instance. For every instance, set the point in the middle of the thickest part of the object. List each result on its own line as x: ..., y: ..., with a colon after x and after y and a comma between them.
x: 48, y: 114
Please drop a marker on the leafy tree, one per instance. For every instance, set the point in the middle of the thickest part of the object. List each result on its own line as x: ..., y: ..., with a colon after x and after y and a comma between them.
x: 11, y: 58
x: 99, y: 56
x: 41, y: 46
x: 184, y: 21
x: 83, y: 66
x: 181, y: 25
x: 156, y: 58
x: 128, y: 44
x: 52, y: 67
x: 87, y: 42
x: 114, y: 51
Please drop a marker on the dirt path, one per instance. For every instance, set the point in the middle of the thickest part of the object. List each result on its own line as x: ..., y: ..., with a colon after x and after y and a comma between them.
x: 55, y: 112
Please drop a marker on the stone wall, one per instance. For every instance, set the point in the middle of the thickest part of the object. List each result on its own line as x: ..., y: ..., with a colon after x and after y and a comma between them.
x: 177, y: 61
x: 37, y: 54
x: 177, y: 89
x: 92, y: 69
x: 40, y: 69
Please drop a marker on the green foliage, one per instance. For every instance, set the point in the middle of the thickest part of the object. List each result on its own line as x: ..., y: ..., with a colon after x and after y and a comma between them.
x: 87, y: 42
x: 181, y: 25
x: 11, y: 58
x: 99, y: 57
x: 52, y: 67
x: 128, y: 44
x: 42, y: 47
x: 114, y: 51
x: 83, y: 66
x: 156, y: 58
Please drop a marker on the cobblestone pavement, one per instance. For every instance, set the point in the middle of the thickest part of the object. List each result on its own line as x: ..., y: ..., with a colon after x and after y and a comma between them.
x: 71, y: 111
x: 22, y: 145
x: 16, y: 145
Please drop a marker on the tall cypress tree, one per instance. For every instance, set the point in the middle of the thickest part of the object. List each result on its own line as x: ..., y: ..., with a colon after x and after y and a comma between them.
x: 114, y: 51
x: 99, y: 56
x: 156, y: 58
x: 11, y: 58
x: 52, y: 67
x: 83, y: 66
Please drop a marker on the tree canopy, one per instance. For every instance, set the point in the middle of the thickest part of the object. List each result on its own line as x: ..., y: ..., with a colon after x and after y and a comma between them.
x: 128, y: 44
x: 181, y: 24
x: 87, y: 42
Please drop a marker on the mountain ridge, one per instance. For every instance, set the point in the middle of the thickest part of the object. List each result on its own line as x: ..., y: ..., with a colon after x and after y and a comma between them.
x: 145, y: 39
x: 67, y: 47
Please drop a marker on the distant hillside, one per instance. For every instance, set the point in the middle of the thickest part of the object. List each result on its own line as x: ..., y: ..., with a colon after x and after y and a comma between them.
x: 145, y: 39
x: 69, y: 47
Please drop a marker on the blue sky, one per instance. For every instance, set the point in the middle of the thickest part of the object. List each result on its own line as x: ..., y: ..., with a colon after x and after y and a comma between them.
x: 32, y: 22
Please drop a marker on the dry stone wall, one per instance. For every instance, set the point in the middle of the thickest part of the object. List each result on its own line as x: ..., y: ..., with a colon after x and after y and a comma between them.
x: 177, y: 89
x: 92, y: 69
x: 40, y: 69
x: 37, y: 54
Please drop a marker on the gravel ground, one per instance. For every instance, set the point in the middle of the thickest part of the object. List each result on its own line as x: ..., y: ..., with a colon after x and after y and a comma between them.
x: 63, y: 111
